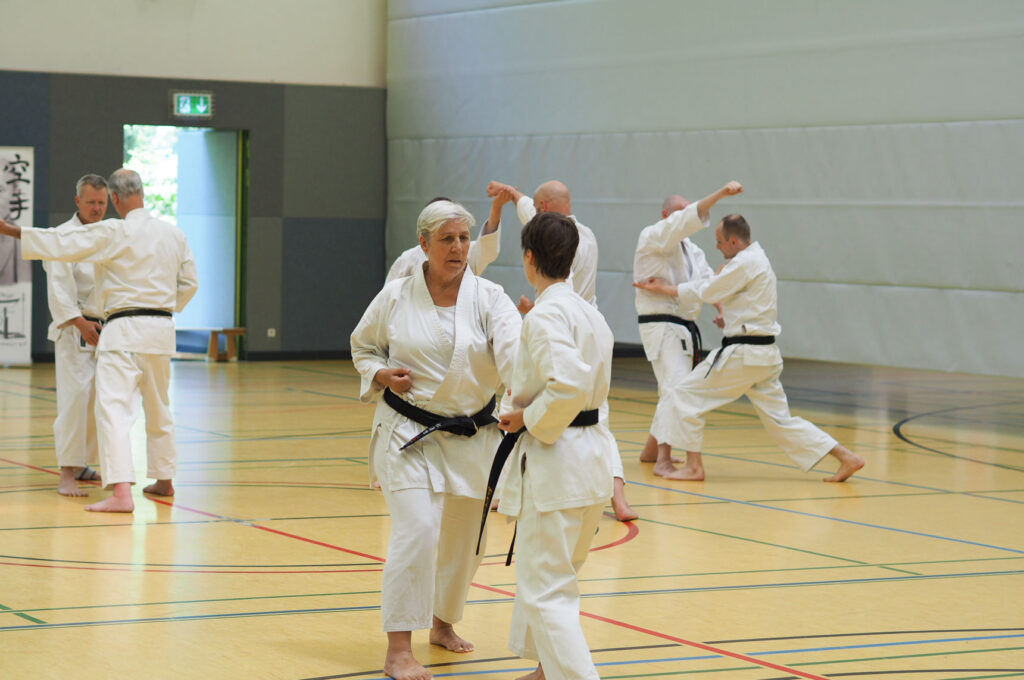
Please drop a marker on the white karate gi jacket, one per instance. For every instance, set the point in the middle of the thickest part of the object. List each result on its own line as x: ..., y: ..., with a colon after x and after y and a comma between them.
x: 563, y: 367
x: 482, y: 252
x: 141, y: 262
x: 401, y: 328
x: 69, y: 287
x: 746, y: 287
x: 583, y: 271
x: 659, y: 255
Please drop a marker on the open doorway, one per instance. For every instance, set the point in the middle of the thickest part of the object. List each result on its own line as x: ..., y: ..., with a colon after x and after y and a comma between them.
x: 192, y: 177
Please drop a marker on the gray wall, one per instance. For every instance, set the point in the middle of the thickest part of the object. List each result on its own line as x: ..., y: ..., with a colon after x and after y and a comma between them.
x: 881, y: 144
x: 316, y: 188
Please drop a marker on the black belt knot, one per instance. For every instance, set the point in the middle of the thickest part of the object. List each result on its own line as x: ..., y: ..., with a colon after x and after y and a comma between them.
x: 137, y: 312
x: 508, y: 442
x: 679, y: 321
x: 465, y: 426
x: 740, y: 340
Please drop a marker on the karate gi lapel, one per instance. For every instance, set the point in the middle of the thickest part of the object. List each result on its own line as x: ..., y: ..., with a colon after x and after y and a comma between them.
x: 465, y: 317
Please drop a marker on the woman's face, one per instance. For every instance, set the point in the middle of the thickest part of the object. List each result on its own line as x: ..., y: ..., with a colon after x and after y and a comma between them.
x: 448, y: 248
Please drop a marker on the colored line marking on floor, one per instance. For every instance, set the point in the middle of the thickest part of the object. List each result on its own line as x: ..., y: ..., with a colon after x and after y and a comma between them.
x: 20, y: 614
x: 614, y: 622
x: 831, y: 519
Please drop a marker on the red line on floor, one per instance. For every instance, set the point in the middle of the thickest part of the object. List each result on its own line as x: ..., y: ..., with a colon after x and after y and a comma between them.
x: 254, y: 570
x: 631, y: 531
x: 596, y: 617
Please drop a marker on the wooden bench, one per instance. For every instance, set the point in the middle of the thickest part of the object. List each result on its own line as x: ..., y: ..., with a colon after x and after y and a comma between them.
x: 231, y: 336
x: 213, y: 353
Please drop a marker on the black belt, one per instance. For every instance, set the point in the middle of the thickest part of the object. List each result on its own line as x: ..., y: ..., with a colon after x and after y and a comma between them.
x: 465, y: 426
x: 508, y: 442
x: 137, y: 312
x: 92, y: 318
x: 679, y: 321
x: 740, y: 340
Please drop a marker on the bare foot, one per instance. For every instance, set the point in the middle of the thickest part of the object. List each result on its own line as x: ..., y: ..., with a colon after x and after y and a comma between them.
x: 620, y: 505
x: 113, y: 504
x: 649, y: 454
x: 161, y: 487
x: 849, y: 463
x: 535, y: 675
x: 675, y: 459
x: 443, y: 634
x: 402, y: 665
x: 68, y: 485
x: 688, y: 473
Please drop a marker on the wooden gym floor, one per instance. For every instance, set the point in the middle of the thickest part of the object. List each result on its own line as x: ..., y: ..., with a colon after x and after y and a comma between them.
x: 267, y: 563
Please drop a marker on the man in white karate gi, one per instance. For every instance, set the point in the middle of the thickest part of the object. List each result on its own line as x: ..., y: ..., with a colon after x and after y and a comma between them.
x: 144, y: 272
x: 668, y: 329
x: 74, y: 331
x: 560, y: 472
x: 482, y: 252
x: 554, y: 197
x: 748, y: 363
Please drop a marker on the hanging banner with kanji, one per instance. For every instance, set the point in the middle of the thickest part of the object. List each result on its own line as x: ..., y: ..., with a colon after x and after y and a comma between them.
x: 17, y: 175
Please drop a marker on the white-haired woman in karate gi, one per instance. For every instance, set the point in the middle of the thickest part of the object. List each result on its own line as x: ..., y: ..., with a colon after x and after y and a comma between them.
x: 442, y: 340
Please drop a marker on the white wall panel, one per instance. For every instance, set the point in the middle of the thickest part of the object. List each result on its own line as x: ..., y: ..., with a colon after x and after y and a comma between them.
x: 880, y: 143
x: 316, y: 42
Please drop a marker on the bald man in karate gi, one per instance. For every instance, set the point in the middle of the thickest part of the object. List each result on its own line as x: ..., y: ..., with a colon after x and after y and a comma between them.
x: 144, y: 272
x: 554, y: 197
x: 668, y: 327
x: 748, y: 363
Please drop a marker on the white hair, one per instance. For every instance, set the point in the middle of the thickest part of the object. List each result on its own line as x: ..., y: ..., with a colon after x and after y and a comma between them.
x: 439, y: 213
x: 125, y: 183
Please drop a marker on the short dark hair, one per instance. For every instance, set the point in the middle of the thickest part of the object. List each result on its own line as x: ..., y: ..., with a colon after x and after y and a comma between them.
x: 552, y: 238
x: 435, y: 199
x: 736, y: 225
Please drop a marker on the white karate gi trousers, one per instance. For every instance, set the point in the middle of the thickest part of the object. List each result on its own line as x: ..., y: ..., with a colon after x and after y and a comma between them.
x: 121, y: 377
x: 74, y: 429
x: 729, y: 380
x: 550, y: 549
x: 431, y: 557
x: 673, y: 364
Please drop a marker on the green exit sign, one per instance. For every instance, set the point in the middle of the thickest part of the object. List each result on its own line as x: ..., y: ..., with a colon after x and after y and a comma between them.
x: 192, y: 105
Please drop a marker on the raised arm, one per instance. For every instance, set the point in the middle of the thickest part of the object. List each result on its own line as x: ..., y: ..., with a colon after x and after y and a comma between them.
x: 704, y: 205
x: 485, y: 249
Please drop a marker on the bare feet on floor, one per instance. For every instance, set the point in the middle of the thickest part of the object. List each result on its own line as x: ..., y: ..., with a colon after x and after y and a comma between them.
x: 623, y: 512
x: 113, y: 504
x: 443, y: 634
x: 649, y: 454
x: 849, y: 463
x: 402, y: 665
x: 535, y: 675
x: 68, y: 485
x: 161, y: 487
x: 688, y: 473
